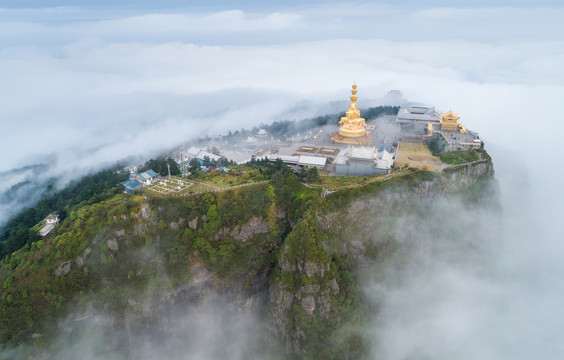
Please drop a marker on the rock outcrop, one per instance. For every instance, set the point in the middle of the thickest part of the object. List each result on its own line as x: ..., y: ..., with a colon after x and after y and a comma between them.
x: 63, y: 269
x: 244, y: 232
x: 307, y: 284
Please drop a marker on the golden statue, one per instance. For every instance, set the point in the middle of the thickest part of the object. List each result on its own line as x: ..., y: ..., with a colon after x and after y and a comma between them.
x: 352, y: 128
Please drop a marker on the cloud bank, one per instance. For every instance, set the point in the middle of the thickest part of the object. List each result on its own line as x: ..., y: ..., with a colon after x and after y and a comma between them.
x: 112, y: 84
x: 84, y: 87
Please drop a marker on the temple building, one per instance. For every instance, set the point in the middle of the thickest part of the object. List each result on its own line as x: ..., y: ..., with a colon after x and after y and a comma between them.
x: 452, y: 134
x: 415, y: 121
x: 451, y: 122
x: 353, y: 127
x: 448, y: 122
x: 413, y: 115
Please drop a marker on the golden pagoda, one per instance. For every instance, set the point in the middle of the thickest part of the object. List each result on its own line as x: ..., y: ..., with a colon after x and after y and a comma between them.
x: 352, y: 130
x: 451, y: 121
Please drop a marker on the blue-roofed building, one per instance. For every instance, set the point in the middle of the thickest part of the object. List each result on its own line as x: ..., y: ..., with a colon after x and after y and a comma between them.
x: 142, y: 177
x: 131, y: 185
x: 151, y: 173
x: 147, y: 178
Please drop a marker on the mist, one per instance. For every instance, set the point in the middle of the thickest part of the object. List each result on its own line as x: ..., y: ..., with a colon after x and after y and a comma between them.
x: 471, y: 283
x: 85, y: 87
x: 214, y: 329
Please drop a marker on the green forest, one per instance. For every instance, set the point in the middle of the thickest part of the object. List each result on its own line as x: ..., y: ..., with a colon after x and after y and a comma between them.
x: 91, y: 189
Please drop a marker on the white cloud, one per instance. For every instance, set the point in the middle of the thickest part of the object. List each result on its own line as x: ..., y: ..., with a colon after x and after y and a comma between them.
x: 98, y: 87
x: 85, y: 88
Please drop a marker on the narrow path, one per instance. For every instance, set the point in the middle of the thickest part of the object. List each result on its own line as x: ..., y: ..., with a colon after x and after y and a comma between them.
x: 216, y: 188
x: 326, y: 191
x: 446, y: 166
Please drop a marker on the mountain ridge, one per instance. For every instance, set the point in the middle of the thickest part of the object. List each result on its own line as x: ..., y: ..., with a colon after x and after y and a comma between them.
x: 278, y: 249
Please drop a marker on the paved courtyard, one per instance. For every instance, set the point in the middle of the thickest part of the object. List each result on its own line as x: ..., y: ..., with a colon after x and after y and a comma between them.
x: 417, y: 155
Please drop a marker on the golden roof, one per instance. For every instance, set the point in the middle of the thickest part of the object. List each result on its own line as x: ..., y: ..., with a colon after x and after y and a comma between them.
x: 451, y: 115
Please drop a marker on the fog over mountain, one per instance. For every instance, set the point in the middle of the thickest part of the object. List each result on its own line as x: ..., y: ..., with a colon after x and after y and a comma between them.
x: 85, y: 86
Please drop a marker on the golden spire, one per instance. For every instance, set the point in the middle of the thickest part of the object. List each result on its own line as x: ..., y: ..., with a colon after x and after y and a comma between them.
x: 353, y: 97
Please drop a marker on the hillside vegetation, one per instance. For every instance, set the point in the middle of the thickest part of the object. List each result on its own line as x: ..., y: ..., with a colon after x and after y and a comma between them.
x: 278, y: 242
x: 88, y: 190
x: 86, y: 254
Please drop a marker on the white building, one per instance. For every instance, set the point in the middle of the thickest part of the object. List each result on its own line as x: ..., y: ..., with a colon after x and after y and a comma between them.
x: 196, y: 153
x: 302, y: 160
x: 132, y: 169
x: 364, y: 161
x: 385, y: 158
x: 192, y: 152
x: 418, y: 114
x: 50, y: 222
x: 312, y: 161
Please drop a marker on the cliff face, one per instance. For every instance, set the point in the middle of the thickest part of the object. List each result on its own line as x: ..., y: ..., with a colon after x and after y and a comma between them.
x: 313, y: 292
x: 305, y: 288
x: 279, y: 250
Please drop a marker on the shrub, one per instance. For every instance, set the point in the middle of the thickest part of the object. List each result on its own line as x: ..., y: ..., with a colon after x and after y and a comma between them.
x: 459, y: 157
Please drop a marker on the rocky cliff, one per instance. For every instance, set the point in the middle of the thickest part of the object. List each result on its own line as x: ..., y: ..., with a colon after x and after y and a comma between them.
x: 278, y: 251
x: 313, y: 294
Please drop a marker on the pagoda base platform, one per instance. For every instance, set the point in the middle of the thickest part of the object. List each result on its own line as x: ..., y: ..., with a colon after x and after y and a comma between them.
x: 359, y: 140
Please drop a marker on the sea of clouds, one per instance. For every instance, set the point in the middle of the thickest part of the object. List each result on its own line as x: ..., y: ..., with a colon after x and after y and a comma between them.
x: 83, y: 87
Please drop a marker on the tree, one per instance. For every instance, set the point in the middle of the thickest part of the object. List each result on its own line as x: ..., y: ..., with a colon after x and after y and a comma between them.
x: 205, y: 250
x: 194, y: 165
x: 434, y: 146
x: 208, y: 162
x: 212, y: 213
x: 174, y: 169
x: 312, y: 175
x: 160, y: 165
x: 224, y: 162
x: 279, y: 164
